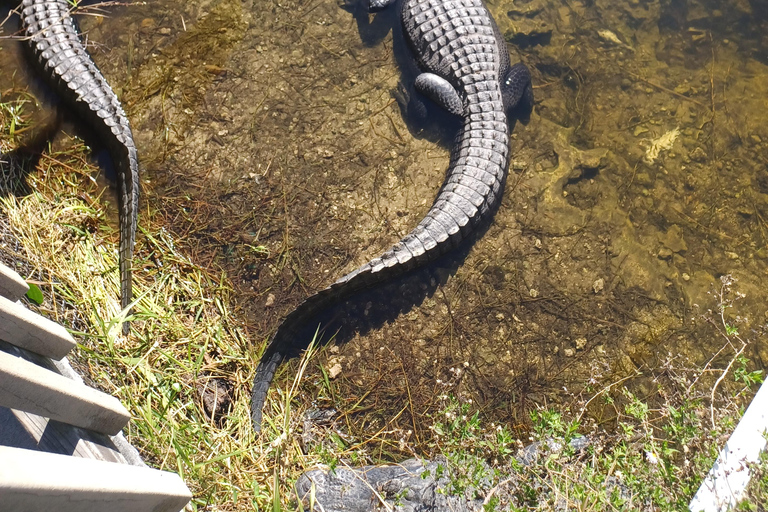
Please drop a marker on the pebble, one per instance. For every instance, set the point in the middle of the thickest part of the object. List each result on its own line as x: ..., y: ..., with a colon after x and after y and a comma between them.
x: 674, y: 239
x: 598, y: 285
x: 334, y: 371
x: 639, y: 130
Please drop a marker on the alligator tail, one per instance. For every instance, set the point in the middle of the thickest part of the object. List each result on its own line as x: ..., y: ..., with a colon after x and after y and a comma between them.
x: 62, y: 58
x: 469, y: 196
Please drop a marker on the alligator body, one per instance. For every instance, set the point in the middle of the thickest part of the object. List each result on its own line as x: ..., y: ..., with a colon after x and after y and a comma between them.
x: 464, y: 67
x: 60, y: 55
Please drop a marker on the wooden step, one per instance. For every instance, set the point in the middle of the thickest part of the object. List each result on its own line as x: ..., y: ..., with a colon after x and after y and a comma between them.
x: 12, y: 286
x: 23, y: 328
x: 30, y: 388
x: 44, y: 481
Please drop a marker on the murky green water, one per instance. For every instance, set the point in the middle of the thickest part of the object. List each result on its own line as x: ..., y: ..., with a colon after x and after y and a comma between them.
x: 271, y: 128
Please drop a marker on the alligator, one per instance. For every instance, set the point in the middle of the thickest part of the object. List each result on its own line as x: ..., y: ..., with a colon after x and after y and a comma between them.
x: 54, y: 41
x: 464, y: 67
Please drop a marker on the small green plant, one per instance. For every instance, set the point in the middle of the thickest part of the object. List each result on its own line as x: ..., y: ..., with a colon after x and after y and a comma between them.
x: 551, y: 423
x: 470, y: 449
x: 745, y: 376
x: 13, y: 116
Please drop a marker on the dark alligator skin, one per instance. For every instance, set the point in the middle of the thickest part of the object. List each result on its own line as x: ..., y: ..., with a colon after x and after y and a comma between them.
x: 60, y: 55
x: 465, y: 69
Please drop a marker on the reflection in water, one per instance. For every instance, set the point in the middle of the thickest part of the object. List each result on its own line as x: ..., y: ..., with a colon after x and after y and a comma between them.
x: 639, y: 181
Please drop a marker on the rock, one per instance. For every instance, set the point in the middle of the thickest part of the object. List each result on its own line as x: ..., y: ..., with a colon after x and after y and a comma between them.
x: 639, y: 130
x: 532, y: 452
x: 598, y: 285
x: 610, y: 37
x: 699, y: 155
x: 334, y: 370
x: 215, y: 395
x: 674, y: 240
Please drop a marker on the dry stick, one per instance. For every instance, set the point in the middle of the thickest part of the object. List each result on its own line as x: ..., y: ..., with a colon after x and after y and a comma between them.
x: 700, y: 225
x: 719, y: 380
x: 584, y: 408
x: 712, y: 77
x: 712, y: 94
x: 706, y: 366
x: 410, y: 398
x: 490, y: 494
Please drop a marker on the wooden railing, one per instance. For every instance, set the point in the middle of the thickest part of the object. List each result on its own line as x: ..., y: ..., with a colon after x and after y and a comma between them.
x: 60, y: 442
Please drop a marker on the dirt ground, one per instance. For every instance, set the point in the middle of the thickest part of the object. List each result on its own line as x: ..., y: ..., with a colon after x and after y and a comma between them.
x: 273, y: 143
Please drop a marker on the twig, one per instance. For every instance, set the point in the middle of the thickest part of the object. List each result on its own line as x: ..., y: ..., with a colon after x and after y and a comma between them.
x: 719, y: 380
x: 667, y: 90
x: 608, y: 387
x: 706, y: 366
x: 490, y: 494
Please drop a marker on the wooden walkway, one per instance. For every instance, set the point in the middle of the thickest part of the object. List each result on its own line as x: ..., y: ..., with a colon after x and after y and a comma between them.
x: 61, y: 446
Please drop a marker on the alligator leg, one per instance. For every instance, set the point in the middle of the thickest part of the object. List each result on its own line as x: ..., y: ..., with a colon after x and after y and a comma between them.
x: 516, y: 89
x: 440, y: 91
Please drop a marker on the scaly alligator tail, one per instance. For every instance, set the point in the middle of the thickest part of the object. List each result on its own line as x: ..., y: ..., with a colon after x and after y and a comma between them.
x: 61, y: 56
x: 470, y: 194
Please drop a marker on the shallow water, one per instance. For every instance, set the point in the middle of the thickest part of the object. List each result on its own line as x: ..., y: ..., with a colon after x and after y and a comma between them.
x: 272, y: 140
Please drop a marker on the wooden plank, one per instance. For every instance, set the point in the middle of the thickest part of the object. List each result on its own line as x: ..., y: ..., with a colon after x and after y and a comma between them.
x: 31, y: 431
x: 28, y: 330
x: 30, y: 388
x: 727, y: 481
x: 12, y: 286
x: 21, y: 429
x: 33, y: 481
